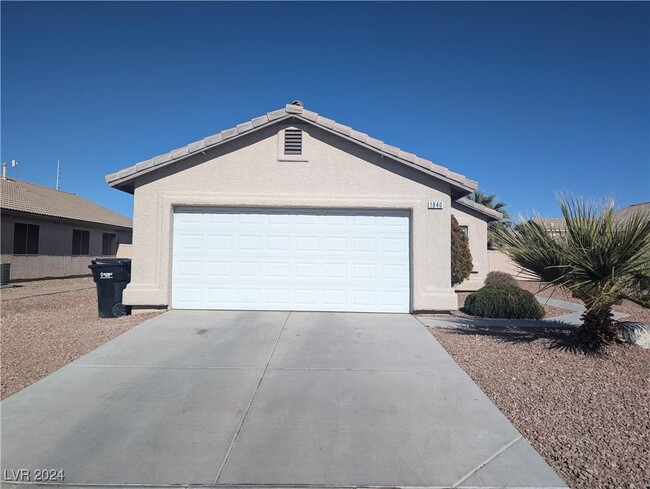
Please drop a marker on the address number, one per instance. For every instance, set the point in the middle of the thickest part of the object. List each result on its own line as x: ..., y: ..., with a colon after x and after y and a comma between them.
x: 434, y: 204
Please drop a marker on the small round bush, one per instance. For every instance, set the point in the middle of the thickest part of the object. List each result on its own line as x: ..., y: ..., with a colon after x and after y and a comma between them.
x: 504, y: 302
x: 500, y: 278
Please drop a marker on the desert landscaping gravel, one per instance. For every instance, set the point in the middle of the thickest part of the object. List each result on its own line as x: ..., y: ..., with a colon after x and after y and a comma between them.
x: 588, y: 416
x: 41, y: 334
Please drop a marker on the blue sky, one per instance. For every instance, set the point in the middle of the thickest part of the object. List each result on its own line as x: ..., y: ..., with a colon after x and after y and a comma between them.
x: 529, y: 99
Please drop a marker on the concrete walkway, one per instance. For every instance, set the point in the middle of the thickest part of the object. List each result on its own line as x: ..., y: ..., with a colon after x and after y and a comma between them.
x: 268, y: 399
x: 572, y: 320
x: 10, y: 293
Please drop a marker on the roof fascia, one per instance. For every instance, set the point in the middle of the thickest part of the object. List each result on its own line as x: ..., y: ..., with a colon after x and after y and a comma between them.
x: 125, y: 184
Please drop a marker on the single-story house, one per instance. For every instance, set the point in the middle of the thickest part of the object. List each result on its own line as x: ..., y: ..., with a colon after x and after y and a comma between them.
x: 49, y: 233
x: 295, y: 211
x: 642, y: 208
x: 556, y: 226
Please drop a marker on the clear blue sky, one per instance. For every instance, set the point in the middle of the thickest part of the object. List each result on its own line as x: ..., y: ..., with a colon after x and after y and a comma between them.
x: 527, y: 98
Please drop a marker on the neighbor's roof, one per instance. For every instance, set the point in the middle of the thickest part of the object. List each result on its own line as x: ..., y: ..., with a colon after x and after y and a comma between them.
x: 559, y: 224
x: 27, y: 197
x: 630, y: 210
x: 491, y: 213
x: 550, y: 223
x: 123, y: 178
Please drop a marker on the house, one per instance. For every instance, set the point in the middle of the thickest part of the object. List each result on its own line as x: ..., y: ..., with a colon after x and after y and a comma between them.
x: 49, y: 233
x: 642, y: 208
x: 555, y: 226
x: 294, y: 211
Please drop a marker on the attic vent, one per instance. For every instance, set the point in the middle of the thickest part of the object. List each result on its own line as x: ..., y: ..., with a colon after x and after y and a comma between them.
x: 292, y: 141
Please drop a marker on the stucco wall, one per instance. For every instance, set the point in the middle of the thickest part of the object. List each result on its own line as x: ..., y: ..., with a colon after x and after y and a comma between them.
x: 500, y: 262
x: 55, y: 247
x: 124, y: 251
x: 477, y: 234
x: 248, y: 173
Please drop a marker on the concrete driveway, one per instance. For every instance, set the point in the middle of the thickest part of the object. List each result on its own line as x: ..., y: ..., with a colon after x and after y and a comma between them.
x: 262, y: 399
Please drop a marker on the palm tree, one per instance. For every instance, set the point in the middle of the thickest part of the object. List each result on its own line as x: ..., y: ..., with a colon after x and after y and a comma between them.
x: 600, y: 260
x: 488, y: 200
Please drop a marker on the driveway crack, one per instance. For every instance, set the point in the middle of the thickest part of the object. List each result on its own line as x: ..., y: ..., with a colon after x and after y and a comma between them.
x: 485, y: 462
x: 250, y: 403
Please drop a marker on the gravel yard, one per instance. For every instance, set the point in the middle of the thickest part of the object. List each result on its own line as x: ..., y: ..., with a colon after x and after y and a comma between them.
x: 589, y: 416
x: 41, y: 334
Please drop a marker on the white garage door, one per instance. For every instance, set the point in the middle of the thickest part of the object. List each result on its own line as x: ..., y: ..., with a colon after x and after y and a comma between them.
x: 307, y: 260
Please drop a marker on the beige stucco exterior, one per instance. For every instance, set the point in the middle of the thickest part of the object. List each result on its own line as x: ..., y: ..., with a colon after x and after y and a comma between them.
x: 251, y: 172
x: 54, y: 258
x: 476, y: 223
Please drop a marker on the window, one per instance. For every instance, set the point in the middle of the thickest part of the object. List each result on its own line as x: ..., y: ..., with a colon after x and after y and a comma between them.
x: 464, y: 230
x: 292, y: 141
x: 109, y: 244
x: 26, y: 239
x: 80, y: 242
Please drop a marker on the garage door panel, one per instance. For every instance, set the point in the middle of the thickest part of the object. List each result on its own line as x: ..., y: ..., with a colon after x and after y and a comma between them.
x: 280, y: 259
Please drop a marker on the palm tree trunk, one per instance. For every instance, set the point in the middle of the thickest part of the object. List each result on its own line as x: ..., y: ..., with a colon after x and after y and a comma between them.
x: 597, y: 328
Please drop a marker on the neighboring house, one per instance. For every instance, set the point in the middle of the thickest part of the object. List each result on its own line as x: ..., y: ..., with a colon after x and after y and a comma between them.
x: 50, y: 233
x: 554, y: 225
x: 294, y: 211
x: 632, y: 209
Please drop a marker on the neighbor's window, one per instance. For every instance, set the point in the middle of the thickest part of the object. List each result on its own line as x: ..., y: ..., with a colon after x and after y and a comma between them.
x: 80, y: 242
x: 109, y: 244
x: 26, y: 239
x: 464, y: 230
x: 292, y: 141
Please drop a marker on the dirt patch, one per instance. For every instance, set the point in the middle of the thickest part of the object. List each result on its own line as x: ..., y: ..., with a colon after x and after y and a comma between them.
x: 42, y: 334
x: 635, y: 312
x: 588, y: 416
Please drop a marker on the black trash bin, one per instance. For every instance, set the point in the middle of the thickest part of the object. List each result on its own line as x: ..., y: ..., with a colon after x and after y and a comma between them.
x: 111, y: 276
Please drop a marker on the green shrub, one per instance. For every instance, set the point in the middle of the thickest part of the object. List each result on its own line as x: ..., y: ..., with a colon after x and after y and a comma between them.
x: 500, y: 278
x: 461, y: 258
x: 505, y: 302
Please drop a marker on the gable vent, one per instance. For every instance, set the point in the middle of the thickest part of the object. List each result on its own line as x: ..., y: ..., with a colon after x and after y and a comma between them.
x: 292, y: 141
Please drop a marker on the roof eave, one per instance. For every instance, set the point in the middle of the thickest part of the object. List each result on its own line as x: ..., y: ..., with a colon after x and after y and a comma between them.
x: 9, y: 211
x: 491, y: 214
x: 123, y: 180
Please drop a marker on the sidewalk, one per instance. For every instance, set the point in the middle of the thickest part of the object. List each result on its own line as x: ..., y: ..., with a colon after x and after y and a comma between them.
x: 574, y: 318
x: 561, y: 322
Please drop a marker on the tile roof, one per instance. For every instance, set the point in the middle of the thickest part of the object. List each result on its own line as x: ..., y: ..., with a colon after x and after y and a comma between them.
x: 122, y: 178
x: 491, y: 213
x: 558, y: 223
x: 550, y: 223
x: 27, y: 197
x: 630, y: 210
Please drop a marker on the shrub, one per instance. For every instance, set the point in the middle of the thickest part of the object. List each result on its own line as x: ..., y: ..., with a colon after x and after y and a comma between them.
x: 461, y: 258
x: 505, y: 302
x: 500, y: 278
